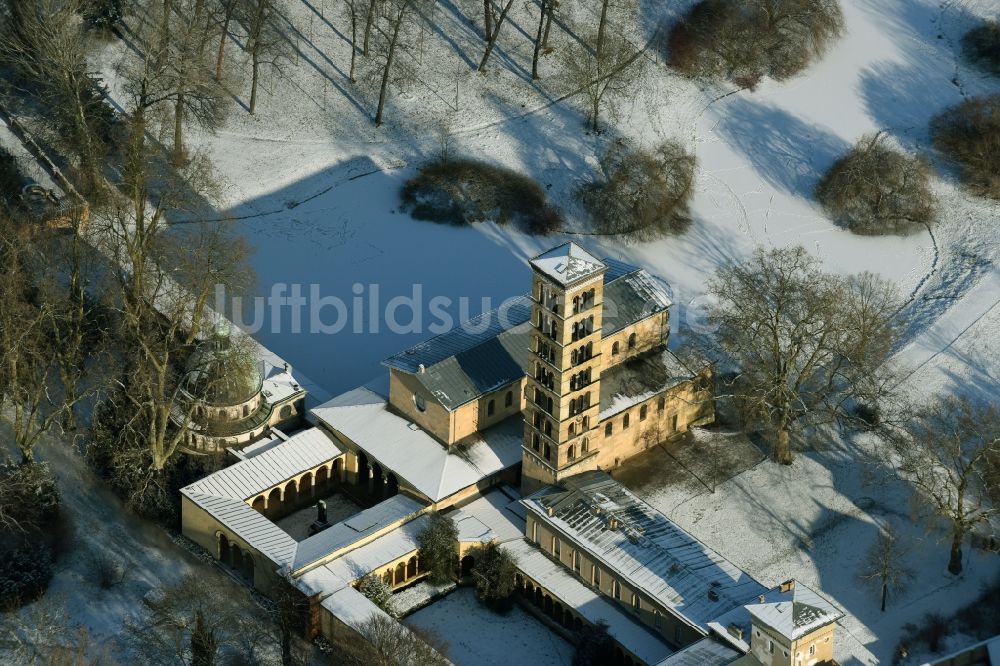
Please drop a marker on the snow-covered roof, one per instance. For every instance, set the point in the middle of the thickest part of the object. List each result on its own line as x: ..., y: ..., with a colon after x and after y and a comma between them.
x: 645, y: 548
x: 414, y: 456
x: 794, y: 610
x: 356, y: 528
x: 637, y: 380
x: 351, y: 607
x: 248, y: 524
x: 706, y: 652
x: 490, y: 516
x: 247, y: 478
x: 568, y: 263
x: 990, y: 649
x: 637, y: 639
x: 492, y: 350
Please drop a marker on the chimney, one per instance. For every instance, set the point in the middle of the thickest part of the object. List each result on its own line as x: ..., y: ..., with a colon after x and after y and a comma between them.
x: 787, y: 586
x: 760, y: 599
x: 735, y: 631
x: 550, y: 511
x: 612, y: 523
x: 420, y: 368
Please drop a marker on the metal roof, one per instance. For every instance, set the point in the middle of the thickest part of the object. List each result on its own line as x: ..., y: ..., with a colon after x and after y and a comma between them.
x: 493, y: 350
x: 706, y: 652
x: 567, y: 263
x: 247, y: 478
x: 362, y: 416
x: 640, y: 641
x: 645, y: 548
x: 248, y: 524
x: 638, y: 379
x: 490, y: 517
x: 359, y: 526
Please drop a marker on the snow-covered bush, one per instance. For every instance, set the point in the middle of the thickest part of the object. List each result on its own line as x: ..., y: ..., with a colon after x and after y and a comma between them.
x: 875, y: 189
x: 378, y: 591
x: 644, y: 194
x: 438, y: 554
x: 494, y: 573
x: 982, y: 46
x: 969, y: 134
x: 746, y: 40
x: 25, y: 573
x: 464, y: 191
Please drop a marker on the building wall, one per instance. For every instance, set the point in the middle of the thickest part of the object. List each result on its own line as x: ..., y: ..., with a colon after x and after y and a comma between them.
x: 654, y: 615
x: 435, y: 419
x: 650, y: 333
x: 772, y: 649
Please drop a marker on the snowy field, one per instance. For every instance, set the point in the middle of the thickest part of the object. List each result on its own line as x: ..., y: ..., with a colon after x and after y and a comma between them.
x: 313, y: 186
x: 476, y: 636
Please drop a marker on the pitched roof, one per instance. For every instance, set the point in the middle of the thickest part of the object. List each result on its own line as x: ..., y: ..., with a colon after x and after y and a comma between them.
x: 362, y: 416
x: 492, y: 350
x: 795, y: 612
x: 639, y: 379
x: 644, y: 547
x: 248, y: 524
x: 567, y: 263
x: 706, y: 652
x: 241, y: 481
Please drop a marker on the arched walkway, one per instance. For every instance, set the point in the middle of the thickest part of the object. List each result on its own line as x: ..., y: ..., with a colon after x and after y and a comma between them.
x: 391, y: 485
x: 411, y: 567
x: 468, y: 564
x: 247, y: 569
x: 364, y: 472
x: 378, y: 485
x: 400, y: 575
x: 259, y: 504
x: 323, y: 478
x: 274, y: 502
x: 306, y: 486
x: 223, y: 548
x: 291, y: 495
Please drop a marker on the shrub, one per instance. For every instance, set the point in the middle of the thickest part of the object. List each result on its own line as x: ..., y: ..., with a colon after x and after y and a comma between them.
x: 494, y: 573
x: 106, y: 570
x: 104, y: 15
x: 437, y: 552
x: 466, y: 191
x: 745, y: 40
x: 25, y: 572
x: 11, y: 178
x: 594, y: 646
x: 378, y: 592
x: 874, y: 189
x: 29, y: 498
x: 969, y: 135
x: 982, y: 46
x: 644, y: 195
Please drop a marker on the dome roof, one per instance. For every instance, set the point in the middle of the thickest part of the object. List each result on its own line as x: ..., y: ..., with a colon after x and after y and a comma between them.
x: 222, y: 372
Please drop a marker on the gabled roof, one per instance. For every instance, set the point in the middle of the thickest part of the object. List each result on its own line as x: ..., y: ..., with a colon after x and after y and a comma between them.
x: 567, y: 264
x: 706, y: 652
x: 362, y: 416
x: 248, y: 524
x: 644, y: 547
x: 492, y: 350
x: 794, y: 612
x: 241, y: 481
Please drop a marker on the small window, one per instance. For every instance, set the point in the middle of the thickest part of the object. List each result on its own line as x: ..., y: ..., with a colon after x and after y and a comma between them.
x: 770, y: 646
x: 556, y: 547
x: 508, y: 399
x: 607, y: 430
x: 625, y: 422
x: 635, y: 602
x: 577, y: 561
x: 616, y: 590
x: 490, y: 408
x: 631, y: 341
x: 548, y: 451
x: 595, y: 576
x: 657, y: 619
x: 642, y: 413
x: 534, y: 532
x: 614, y: 349
x: 584, y: 445
x: 812, y: 650
x: 420, y: 403
x: 571, y: 454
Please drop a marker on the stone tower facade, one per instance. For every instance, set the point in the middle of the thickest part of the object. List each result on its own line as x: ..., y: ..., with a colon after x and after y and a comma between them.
x: 564, y: 382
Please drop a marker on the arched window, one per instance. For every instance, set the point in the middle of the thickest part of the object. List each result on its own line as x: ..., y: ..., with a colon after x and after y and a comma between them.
x: 595, y: 576
x: 534, y: 441
x: 420, y: 403
x: 631, y: 341
x: 642, y: 413
x: 508, y: 399
x: 572, y: 357
x: 571, y: 453
x: 572, y: 429
x: 607, y: 430
x: 661, y: 404
x: 548, y: 432
x: 548, y: 451
x: 635, y: 602
x: 614, y: 349
x: 590, y: 350
x: 616, y: 590
x: 490, y: 408
x: 625, y: 422
x: 584, y: 445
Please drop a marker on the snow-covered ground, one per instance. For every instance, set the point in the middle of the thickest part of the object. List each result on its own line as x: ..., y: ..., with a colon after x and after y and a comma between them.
x: 476, y: 636
x: 313, y: 186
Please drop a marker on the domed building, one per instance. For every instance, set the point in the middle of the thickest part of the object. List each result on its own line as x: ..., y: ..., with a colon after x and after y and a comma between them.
x: 233, y: 399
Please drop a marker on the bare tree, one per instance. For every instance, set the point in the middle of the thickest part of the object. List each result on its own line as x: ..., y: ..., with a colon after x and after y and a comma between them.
x: 265, y: 41
x: 45, y: 43
x: 225, y: 10
x: 614, y: 70
x: 944, y: 454
x: 806, y: 344
x: 874, y: 189
x: 543, y: 11
x: 969, y: 135
x: 492, y: 34
x: 884, y: 563
x: 381, y: 641
x: 400, y: 14
x: 351, y: 7
x: 370, y: 14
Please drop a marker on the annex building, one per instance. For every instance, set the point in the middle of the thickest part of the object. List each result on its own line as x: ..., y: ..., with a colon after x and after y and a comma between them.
x: 509, y: 425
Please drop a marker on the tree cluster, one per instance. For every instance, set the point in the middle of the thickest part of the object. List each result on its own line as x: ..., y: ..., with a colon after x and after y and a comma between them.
x: 982, y: 46
x: 494, y: 575
x: 382, y: 641
x: 465, y: 191
x: 745, y: 40
x: 438, y: 552
x: 643, y: 195
x: 874, y: 189
x: 377, y: 591
x: 969, y: 135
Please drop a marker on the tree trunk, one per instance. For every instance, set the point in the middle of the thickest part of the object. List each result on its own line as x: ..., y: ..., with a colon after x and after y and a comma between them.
x: 388, y: 66
x: 595, y: 113
x: 602, y: 30
x: 179, y: 130
x: 354, y: 40
x: 369, y: 20
x: 492, y: 39
x: 220, y: 59
x: 548, y: 23
x: 487, y: 20
x: 538, y: 40
x: 955, y: 563
x: 885, y: 593
x: 782, y: 447
x: 255, y: 76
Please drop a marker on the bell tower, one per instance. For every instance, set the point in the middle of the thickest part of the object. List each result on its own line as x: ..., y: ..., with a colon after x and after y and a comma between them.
x: 564, y: 381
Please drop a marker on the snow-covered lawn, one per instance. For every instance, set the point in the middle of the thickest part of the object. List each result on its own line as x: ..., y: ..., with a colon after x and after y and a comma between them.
x: 477, y: 636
